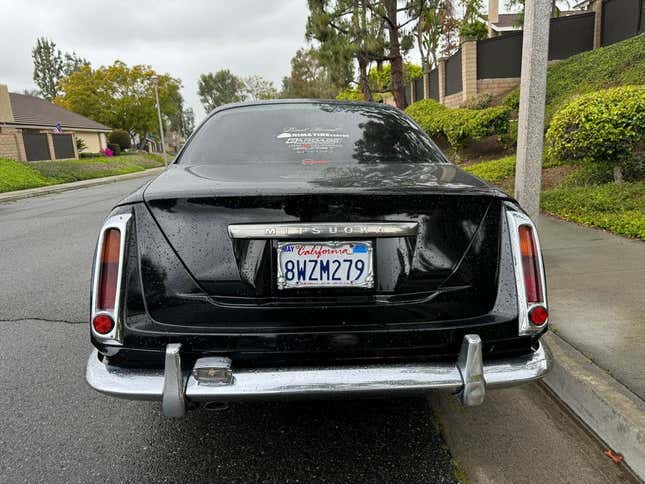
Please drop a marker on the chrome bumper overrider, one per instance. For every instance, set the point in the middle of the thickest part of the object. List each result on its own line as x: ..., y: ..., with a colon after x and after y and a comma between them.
x: 469, y: 378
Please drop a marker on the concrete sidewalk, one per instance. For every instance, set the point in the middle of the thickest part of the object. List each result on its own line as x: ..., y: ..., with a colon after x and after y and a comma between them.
x: 596, y: 288
x: 596, y: 300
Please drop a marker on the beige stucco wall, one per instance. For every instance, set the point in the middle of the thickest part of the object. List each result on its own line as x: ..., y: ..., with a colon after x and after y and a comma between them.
x: 92, y: 140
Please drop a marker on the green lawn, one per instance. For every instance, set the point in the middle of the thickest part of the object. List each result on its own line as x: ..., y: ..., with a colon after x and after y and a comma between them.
x: 495, y: 170
x: 617, y: 208
x: 16, y: 175
x: 586, y: 195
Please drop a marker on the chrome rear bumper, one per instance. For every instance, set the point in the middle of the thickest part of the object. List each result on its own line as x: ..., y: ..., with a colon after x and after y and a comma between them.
x: 469, y: 378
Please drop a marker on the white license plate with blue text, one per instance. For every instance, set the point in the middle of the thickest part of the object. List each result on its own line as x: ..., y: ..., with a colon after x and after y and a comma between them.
x: 325, y: 264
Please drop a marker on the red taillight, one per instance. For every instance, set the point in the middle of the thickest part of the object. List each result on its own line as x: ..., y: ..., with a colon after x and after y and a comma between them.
x: 103, y: 324
x: 538, y: 315
x: 530, y: 265
x: 109, y: 271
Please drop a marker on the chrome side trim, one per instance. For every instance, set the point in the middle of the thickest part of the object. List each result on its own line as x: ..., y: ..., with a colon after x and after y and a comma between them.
x: 322, y: 230
x: 326, y: 381
x: 471, y: 368
x: 114, y: 337
x: 515, y: 219
x: 173, y: 402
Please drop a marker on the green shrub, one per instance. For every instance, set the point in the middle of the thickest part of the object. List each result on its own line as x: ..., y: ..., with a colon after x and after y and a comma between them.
x: 634, y: 167
x: 459, y: 125
x: 121, y: 138
x: 116, y: 149
x: 619, y: 64
x: 480, y: 101
x: 81, y: 145
x: 495, y: 170
x: 589, y: 174
x: 618, y: 208
x: 512, y: 99
x: 350, y: 95
x: 602, y: 126
x: 90, y: 155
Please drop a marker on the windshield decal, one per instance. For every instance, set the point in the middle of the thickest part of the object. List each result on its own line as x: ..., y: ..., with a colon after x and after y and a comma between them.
x: 308, y: 140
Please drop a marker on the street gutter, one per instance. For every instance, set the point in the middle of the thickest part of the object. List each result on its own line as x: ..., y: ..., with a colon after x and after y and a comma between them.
x: 608, y: 408
x: 64, y: 187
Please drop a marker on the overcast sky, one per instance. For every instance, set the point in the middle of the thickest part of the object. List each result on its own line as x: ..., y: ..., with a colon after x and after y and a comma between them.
x: 182, y: 38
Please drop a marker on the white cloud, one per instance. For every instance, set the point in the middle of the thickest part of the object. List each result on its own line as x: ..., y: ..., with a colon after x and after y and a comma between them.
x: 182, y: 38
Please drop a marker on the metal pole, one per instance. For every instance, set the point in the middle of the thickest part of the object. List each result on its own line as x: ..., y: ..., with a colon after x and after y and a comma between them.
x: 163, y: 145
x: 530, y: 129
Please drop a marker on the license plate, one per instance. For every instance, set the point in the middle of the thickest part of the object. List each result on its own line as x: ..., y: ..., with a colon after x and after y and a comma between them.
x: 325, y: 264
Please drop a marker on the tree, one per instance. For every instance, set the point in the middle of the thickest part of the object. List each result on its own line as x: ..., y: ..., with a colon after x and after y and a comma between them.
x: 223, y: 87
x: 31, y: 92
x: 308, y: 79
x: 346, y: 31
x: 256, y: 87
x: 381, y: 79
x: 120, y: 96
x: 50, y: 66
x: 435, y: 30
x: 398, y: 43
x: 472, y: 24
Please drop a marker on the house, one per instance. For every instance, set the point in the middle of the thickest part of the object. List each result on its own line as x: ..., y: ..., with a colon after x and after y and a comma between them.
x: 34, y: 129
x: 503, y: 23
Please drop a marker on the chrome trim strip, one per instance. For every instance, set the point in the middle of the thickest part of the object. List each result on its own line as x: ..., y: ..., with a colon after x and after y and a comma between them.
x: 173, y: 401
x: 325, y: 381
x: 471, y: 368
x: 115, y: 336
x: 322, y: 230
x: 515, y: 219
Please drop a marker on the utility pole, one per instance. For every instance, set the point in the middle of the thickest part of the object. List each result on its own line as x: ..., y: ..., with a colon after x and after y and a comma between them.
x: 155, y: 82
x: 530, y: 129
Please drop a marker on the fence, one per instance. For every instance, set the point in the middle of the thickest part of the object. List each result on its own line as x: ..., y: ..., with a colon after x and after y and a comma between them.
x: 494, y: 65
x: 621, y: 19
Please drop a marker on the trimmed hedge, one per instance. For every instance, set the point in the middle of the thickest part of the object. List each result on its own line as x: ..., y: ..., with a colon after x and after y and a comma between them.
x: 120, y: 137
x: 459, y: 125
x: 602, y: 126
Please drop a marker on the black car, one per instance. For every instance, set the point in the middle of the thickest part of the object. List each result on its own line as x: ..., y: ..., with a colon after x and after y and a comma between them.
x: 314, y: 248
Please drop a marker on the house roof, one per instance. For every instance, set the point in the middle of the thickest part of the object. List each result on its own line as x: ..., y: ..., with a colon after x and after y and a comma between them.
x: 507, y: 20
x: 33, y: 111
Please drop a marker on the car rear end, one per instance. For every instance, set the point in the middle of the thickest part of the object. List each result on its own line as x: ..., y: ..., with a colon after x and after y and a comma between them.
x: 303, y: 276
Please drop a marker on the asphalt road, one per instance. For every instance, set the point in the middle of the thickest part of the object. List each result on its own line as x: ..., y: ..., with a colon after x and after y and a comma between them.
x: 53, y: 428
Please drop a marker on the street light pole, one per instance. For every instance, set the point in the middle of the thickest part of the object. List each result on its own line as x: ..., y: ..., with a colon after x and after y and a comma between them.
x: 155, y: 81
x: 530, y: 128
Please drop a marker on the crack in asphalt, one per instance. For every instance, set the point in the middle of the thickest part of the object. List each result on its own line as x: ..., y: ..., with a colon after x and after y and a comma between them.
x: 44, y: 320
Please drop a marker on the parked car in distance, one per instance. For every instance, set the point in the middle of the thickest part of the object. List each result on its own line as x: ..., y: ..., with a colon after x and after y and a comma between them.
x: 314, y: 249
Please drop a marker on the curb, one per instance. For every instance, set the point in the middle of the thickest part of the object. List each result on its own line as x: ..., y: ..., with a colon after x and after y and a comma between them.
x: 609, y: 409
x: 64, y: 187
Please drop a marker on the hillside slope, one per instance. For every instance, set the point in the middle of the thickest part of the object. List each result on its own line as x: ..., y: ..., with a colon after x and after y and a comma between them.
x: 618, y: 64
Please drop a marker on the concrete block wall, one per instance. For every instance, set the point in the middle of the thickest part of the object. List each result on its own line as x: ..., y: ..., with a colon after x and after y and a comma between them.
x: 495, y: 87
x: 11, y: 144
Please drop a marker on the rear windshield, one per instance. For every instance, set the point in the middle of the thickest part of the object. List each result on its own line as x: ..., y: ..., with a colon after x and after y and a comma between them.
x: 310, y: 133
